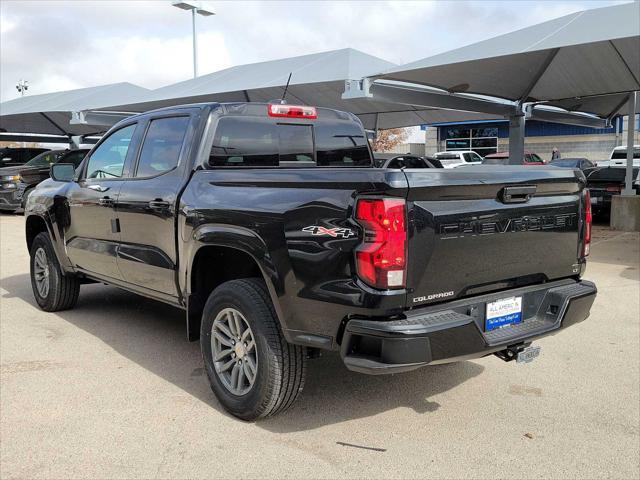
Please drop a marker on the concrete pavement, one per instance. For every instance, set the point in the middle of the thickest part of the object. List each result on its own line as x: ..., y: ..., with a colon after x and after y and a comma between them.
x: 112, y: 389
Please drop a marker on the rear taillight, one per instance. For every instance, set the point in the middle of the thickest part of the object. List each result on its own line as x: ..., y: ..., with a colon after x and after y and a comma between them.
x: 381, y: 259
x: 292, y: 111
x: 588, y: 220
x: 614, y: 188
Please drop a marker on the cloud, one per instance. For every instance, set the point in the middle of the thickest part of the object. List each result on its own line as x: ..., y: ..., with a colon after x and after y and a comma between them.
x: 59, y: 45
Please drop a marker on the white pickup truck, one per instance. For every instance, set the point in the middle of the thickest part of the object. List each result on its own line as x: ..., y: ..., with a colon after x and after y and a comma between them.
x: 618, y: 157
x: 458, y: 158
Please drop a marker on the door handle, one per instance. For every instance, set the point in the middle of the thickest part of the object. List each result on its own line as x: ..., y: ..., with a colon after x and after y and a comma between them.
x: 517, y: 194
x: 159, y: 205
x: 105, y: 201
x: 98, y: 188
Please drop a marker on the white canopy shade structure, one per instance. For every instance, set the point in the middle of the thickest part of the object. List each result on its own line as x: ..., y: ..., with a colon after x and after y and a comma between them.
x: 587, y: 62
x: 593, y: 52
x: 53, y: 113
x: 316, y: 79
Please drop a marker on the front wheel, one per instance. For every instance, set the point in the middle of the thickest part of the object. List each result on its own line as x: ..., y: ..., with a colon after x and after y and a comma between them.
x: 52, y: 289
x: 253, y: 371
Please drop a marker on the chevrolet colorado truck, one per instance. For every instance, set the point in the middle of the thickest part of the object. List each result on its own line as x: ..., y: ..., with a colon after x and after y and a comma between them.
x: 270, y: 227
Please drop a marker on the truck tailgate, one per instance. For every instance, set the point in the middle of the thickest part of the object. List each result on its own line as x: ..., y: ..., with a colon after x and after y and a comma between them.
x: 481, y: 229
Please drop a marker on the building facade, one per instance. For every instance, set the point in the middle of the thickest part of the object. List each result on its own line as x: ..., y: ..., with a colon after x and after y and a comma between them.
x: 540, y: 137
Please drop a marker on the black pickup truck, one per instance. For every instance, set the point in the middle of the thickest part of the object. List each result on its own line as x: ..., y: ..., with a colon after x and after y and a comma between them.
x: 270, y: 227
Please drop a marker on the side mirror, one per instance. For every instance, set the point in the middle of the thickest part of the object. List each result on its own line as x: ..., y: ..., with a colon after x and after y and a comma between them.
x: 62, y: 172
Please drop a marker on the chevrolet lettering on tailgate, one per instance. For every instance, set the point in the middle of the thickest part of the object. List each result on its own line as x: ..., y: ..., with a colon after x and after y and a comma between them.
x: 508, y: 225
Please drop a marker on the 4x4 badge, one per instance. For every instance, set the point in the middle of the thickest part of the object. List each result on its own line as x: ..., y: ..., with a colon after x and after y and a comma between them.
x: 332, y: 232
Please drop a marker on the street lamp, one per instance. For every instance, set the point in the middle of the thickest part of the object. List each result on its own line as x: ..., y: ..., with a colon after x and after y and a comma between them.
x: 22, y: 86
x: 200, y: 9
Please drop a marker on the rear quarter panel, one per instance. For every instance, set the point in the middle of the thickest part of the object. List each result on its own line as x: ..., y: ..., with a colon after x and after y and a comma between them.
x: 264, y: 212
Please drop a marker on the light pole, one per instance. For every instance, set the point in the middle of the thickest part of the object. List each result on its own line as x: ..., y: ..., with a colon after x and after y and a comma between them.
x: 22, y: 86
x: 200, y: 9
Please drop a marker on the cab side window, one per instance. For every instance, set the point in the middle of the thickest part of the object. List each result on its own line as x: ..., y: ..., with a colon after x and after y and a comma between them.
x: 414, y: 162
x: 397, y: 163
x: 107, y: 161
x: 162, y: 146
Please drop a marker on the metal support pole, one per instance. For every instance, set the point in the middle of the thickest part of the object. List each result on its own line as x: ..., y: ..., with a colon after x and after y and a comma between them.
x: 74, y: 142
x: 375, y: 128
x: 631, y: 127
x: 516, y: 139
x: 195, y: 43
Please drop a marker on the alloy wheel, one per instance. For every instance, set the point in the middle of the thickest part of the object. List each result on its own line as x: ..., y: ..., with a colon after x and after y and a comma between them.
x: 41, y: 272
x: 234, y: 351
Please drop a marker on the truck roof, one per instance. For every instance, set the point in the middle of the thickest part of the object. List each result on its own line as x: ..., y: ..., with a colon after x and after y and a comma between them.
x: 253, y: 109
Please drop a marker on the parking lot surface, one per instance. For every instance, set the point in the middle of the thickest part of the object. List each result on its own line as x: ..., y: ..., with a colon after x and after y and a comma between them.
x: 112, y: 389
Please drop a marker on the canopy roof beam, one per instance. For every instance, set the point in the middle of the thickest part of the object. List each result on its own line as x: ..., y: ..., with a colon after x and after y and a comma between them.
x: 533, y: 112
x: 617, y: 109
x: 624, y: 62
x: 539, y: 74
x: 423, y: 97
x: 98, y: 118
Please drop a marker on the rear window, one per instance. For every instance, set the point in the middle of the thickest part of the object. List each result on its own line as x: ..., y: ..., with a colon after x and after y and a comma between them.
x: 611, y: 174
x: 622, y: 154
x: 447, y: 156
x: 259, y: 142
x: 565, y: 163
x: 341, y: 144
x: 295, y: 143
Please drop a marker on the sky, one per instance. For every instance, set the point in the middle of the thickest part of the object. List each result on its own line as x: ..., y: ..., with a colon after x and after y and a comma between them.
x: 62, y: 45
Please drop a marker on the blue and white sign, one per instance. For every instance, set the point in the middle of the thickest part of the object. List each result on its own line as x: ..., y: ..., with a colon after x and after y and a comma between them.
x: 503, y: 312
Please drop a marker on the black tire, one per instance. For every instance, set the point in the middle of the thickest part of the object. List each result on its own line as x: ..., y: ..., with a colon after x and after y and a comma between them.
x: 281, y: 367
x: 63, y: 290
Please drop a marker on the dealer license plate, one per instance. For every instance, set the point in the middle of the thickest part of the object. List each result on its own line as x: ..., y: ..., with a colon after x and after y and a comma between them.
x: 502, y: 313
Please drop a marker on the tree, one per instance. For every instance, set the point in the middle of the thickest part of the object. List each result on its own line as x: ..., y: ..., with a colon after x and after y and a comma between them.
x: 388, y: 139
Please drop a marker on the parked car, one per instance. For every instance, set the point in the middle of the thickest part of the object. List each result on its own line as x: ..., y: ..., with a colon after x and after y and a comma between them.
x: 618, y: 157
x: 604, y: 183
x: 579, y: 163
x: 502, y: 158
x: 394, y: 160
x: 454, y: 159
x: 270, y: 228
x: 18, y: 156
x: 18, y: 181
x: 433, y: 161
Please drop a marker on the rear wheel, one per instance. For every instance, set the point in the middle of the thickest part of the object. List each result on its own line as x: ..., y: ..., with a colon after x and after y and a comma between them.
x: 252, y: 369
x: 53, y: 290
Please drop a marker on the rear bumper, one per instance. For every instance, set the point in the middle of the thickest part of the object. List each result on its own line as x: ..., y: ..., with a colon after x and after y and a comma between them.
x: 600, y: 200
x: 455, y: 331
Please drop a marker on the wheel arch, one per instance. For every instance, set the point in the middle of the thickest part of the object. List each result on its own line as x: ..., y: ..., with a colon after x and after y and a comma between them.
x: 232, y: 260
x: 35, y: 224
